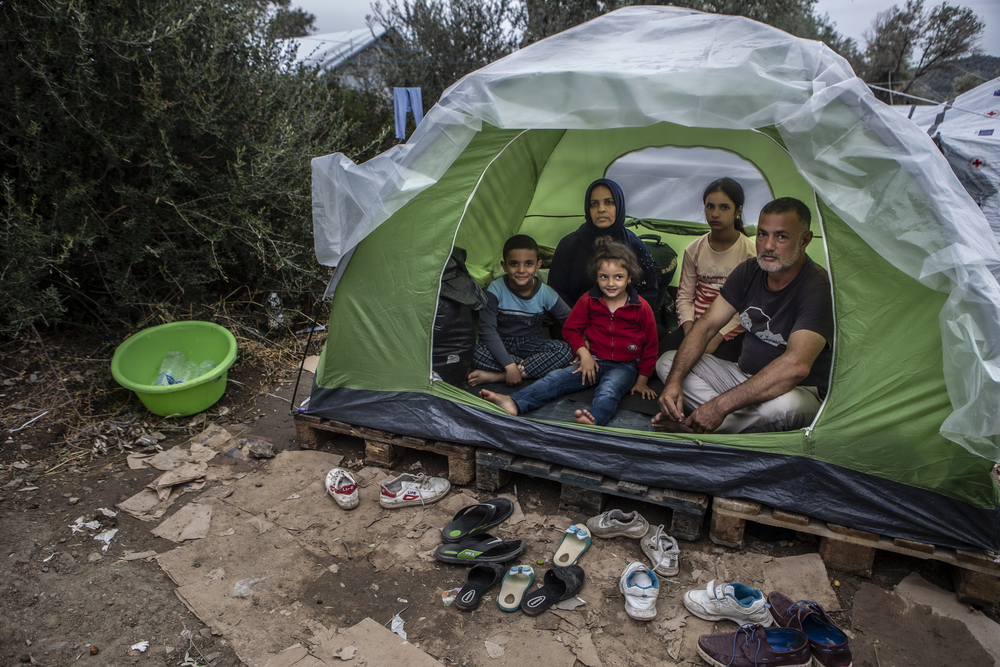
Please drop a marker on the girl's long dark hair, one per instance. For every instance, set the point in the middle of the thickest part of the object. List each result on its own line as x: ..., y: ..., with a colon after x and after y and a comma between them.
x: 732, y: 189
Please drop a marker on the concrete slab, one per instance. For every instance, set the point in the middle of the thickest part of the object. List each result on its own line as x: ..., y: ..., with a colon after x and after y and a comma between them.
x: 943, y: 603
x: 890, y: 630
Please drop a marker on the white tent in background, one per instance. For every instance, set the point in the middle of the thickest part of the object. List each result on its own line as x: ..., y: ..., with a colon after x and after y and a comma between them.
x: 967, y: 130
x: 343, y: 53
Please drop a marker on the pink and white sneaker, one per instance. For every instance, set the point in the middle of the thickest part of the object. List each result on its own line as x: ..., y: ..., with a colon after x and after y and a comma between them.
x: 343, y: 487
x: 408, y: 489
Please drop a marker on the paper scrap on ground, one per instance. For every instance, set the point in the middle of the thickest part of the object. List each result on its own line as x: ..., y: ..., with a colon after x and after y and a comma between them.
x: 106, y: 537
x: 140, y: 555
x: 397, y: 626
x: 190, y: 522
x: 182, y: 474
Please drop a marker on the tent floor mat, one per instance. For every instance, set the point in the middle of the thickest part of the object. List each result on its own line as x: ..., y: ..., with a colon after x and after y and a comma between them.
x: 634, y: 411
x: 976, y: 573
x: 385, y: 449
x: 586, y: 490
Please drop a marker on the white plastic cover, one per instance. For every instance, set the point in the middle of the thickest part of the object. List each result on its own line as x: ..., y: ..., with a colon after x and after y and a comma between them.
x: 641, y: 65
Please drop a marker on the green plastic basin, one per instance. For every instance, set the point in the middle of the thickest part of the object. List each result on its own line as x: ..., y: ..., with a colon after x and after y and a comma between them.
x: 137, y: 363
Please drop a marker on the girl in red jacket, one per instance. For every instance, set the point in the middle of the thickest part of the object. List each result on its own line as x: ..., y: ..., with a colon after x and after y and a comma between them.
x: 613, y: 332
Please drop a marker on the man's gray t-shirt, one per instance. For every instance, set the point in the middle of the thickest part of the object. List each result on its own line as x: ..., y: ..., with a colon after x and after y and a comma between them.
x: 770, y: 317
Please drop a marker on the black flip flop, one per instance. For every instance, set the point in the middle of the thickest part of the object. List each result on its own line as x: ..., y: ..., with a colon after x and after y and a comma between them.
x: 559, y: 584
x: 477, y: 519
x: 482, y: 577
x: 480, y: 549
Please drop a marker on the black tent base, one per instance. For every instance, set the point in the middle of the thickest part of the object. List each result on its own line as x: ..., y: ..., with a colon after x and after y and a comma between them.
x: 822, y: 491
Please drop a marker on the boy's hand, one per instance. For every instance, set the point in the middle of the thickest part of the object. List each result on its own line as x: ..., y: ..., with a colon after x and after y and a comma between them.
x: 588, y: 366
x: 513, y: 374
x: 642, y: 387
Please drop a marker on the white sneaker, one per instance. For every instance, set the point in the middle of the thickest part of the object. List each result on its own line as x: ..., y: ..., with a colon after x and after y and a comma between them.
x: 640, y: 587
x: 736, y: 602
x: 343, y: 487
x: 662, y: 551
x: 615, y: 523
x: 408, y: 489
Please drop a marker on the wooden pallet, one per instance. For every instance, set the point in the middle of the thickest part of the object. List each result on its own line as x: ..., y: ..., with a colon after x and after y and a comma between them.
x: 586, y: 490
x: 976, y: 573
x: 385, y: 449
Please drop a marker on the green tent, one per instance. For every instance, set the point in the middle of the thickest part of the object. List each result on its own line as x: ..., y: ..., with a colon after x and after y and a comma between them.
x: 905, y: 441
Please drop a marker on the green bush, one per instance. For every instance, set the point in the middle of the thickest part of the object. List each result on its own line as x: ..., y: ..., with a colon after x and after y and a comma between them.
x: 158, y: 152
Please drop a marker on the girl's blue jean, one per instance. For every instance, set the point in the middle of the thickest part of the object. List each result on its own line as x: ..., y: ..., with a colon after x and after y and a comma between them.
x: 614, y: 378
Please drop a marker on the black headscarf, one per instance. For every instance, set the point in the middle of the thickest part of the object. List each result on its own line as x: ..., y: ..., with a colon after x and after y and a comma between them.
x: 589, y: 231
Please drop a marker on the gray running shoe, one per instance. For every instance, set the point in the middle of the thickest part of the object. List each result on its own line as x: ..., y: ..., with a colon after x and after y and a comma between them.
x: 662, y: 551
x: 615, y: 523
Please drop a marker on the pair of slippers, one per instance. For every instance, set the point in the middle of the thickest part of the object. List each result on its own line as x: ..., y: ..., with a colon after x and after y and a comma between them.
x: 466, y: 540
x: 558, y: 584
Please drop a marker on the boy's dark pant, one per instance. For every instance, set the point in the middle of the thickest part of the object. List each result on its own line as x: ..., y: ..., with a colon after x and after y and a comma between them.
x: 539, y: 356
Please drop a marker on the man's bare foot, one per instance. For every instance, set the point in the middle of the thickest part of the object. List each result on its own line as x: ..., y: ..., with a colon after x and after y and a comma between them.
x: 584, y: 417
x: 662, y: 422
x: 502, y: 400
x: 485, y: 377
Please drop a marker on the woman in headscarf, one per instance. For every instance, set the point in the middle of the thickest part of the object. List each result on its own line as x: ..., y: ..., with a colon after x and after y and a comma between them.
x: 604, y: 209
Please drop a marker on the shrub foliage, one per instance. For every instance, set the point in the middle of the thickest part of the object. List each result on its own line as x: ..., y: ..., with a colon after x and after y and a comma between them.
x: 158, y: 152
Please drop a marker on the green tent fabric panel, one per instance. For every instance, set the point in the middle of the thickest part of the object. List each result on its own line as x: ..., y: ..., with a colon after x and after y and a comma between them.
x: 584, y: 155
x: 888, y: 400
x: 381, y: 320
x: 501, y: 198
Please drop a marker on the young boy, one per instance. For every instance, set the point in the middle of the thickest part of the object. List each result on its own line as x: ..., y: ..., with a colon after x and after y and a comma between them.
x: 510, y: 346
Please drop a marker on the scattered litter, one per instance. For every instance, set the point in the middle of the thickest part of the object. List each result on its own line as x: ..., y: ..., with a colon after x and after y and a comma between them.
x: 397, y: 599
x: 78, y: 525
x: 397, y: 626
x: 416, y: 466
x: 231, y: 531
x: 15, y: 430
x: 494, y: 650
x: 570, y: 604
x: 140, y: 555
x: 447, y: 597
x: 190, y: 522
x: 346, y: 653
x: 242, y: 587
x: 51, y: 556
x: 106, y: 537
x: 106, y: 512
x: 140, y: 647
x: 29, y: 488
x: 294, y: 496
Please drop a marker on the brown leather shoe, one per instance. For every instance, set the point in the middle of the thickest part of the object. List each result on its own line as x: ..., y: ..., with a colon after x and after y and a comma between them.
x: 753, y: 645
x: 828, y: 643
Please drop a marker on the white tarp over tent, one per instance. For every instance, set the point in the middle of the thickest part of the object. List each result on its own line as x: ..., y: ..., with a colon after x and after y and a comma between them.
x: 967, y: 130
x: 868, y: 163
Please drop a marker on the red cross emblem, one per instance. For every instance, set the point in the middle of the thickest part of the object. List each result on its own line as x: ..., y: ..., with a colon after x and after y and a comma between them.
x: 991, y: 113
x: 977, y: 162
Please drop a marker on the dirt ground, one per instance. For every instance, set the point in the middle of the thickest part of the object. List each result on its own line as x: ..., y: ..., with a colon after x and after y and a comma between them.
x: 67, y: 601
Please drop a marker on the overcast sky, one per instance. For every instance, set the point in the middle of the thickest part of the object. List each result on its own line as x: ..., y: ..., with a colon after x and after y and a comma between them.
x: 851, y: 16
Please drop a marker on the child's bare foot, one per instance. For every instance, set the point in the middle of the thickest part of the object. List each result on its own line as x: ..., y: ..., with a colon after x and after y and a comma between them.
x: 485, y: 377
x: 584, y: 417
x: 502, y: 400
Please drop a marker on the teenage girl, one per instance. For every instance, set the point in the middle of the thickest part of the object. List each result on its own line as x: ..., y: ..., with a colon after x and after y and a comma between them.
x: 709, y: 260
x: 621, y: 330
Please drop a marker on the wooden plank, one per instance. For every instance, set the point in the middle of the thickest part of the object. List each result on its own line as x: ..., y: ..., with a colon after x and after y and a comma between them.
x: 975, y: 561
x: 452, y: 449
x: 582, y: 477
x: 741, y: 505
x: 790, y: 518
x: 537, y: 466
x: 633, y: 489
